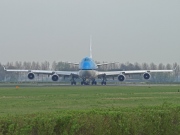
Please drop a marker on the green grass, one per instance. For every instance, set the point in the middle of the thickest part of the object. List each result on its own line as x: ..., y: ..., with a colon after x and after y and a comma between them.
x: 48, y: 99
x: 90, y: 110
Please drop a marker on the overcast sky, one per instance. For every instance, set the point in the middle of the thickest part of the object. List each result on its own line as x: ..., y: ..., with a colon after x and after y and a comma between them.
x: 59, y: 30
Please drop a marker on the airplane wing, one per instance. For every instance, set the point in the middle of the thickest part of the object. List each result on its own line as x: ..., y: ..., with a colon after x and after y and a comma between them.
x: 122, y: 74
x: 116, y: 73
x: 48, y: 72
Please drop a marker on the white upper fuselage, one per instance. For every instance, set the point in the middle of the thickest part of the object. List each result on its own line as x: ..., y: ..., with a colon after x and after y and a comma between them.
x: 88, y: 68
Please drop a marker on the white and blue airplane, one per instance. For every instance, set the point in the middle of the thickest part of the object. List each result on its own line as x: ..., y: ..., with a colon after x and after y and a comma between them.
x: 88, y: 72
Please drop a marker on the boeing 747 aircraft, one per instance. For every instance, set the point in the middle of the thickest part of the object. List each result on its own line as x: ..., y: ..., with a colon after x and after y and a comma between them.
x: 88, y: 72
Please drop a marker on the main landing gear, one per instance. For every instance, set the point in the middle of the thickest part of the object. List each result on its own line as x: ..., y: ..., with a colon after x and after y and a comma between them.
x: 73, y: 82
x: 104, y: 80
x: 94, y: 82
x: 84, y: 83
x: 103, y: 83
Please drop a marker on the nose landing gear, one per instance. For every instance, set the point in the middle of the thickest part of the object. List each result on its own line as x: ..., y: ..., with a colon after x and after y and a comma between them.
x: 84, y: 83
x: 87, y: 82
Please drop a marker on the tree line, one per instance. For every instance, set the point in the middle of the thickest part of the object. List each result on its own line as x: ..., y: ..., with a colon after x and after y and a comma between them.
x: 63, y: 66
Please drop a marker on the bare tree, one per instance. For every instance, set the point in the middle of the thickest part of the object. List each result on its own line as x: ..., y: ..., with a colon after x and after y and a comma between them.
x: 153, y: 66
x: 145, y: 66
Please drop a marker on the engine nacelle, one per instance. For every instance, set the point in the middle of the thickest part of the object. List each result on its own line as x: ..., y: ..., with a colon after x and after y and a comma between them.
x: 55, y: 77
x: 121, y: 78
x: 147, y: 76
x: 31, y: 76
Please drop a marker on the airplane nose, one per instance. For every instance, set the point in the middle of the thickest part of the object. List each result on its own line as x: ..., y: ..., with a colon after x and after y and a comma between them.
x: 86, y: 65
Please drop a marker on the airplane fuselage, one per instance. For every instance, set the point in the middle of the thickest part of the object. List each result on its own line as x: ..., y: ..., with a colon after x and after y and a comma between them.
x: 88, y: 69
x: 88, y: 74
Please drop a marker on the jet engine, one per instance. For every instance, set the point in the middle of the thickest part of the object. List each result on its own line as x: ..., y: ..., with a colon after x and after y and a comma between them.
x: 121, y: 78
x: 147, y: 76
x: 55, y: 77
x: 31, y: 75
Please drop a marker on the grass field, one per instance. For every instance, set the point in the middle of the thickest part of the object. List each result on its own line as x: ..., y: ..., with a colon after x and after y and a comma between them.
x: 78, y: 110
x: 47, y: 99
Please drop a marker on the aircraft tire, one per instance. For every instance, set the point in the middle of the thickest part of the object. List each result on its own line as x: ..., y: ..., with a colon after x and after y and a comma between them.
x: 103, y: 83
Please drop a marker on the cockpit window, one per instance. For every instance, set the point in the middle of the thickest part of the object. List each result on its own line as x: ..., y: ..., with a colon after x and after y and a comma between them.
x: 86, y: 59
